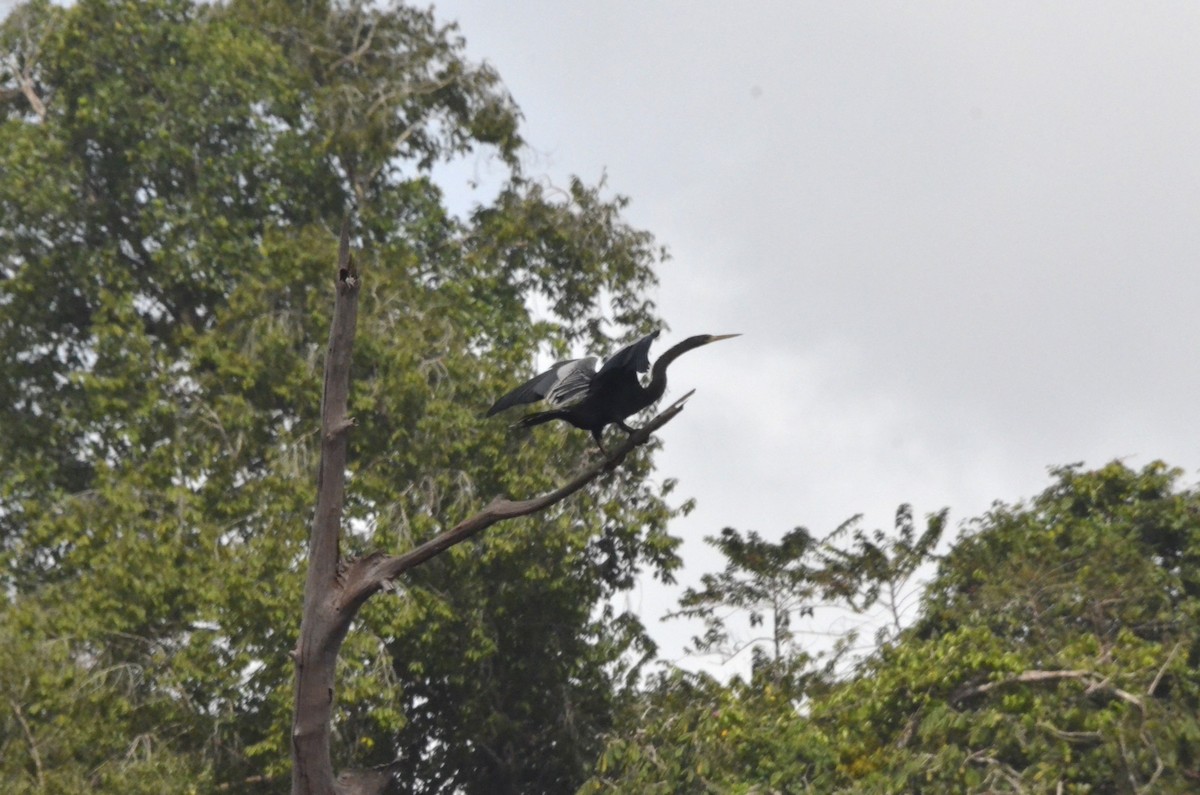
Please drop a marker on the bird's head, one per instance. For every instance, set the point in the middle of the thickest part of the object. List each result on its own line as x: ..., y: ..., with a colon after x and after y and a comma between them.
x: 692, y: 343
x: 658, y: 374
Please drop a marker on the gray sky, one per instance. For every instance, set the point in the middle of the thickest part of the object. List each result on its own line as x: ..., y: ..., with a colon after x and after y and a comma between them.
x: 961, y: 238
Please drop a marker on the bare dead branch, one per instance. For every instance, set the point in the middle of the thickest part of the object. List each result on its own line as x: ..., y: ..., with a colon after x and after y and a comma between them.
x: 1025, y: 677
x: 368, y: 575
x: 1095, y: 683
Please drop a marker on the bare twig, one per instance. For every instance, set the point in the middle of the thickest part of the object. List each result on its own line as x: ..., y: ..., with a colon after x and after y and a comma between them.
x: 33, y: 749
x: 1071, y: 736
x: 1166, y: 664
x: 1129, y: 764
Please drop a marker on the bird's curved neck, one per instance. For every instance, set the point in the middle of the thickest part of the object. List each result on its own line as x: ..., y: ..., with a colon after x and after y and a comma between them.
x: 658, y: 376
x: 658, y: 373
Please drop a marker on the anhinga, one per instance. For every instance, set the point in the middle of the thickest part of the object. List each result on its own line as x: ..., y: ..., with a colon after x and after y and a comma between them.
x: 590, y: 399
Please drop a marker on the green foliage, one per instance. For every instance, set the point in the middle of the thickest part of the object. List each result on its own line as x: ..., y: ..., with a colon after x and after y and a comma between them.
x: 877, y: 566
x: 165, y: 286
x: 773, y: 584
x: 689, y: 733
x: 1057, y: 650
x: 777, y: 584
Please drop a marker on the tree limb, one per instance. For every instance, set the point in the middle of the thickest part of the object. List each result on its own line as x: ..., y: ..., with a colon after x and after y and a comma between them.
x: 1025, y: 677
x: 1095, y: 681
x: 368, y: 575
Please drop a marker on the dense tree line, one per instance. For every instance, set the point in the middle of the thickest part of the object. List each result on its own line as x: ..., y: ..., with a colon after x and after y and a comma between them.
x: 1056, y: 649
x: 173, y: 177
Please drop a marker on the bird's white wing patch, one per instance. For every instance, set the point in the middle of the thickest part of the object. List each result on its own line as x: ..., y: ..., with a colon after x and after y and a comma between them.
x: 573, y: 380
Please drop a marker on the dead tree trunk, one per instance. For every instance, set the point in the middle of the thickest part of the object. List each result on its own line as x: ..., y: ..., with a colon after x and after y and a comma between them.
x: 323, y: 626
x: 333, y: 590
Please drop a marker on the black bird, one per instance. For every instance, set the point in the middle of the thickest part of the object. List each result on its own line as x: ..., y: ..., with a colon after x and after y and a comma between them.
x: 590, y: 399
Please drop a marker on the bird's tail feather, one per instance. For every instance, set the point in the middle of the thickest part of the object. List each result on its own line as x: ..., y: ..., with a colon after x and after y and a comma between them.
x: 538, y: 418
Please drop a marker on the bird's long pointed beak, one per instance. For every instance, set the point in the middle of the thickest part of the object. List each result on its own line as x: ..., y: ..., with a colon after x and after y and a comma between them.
x: 715, y: 337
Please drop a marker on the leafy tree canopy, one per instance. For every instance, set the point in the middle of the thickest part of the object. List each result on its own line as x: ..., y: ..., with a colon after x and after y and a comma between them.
x: 174, y: 173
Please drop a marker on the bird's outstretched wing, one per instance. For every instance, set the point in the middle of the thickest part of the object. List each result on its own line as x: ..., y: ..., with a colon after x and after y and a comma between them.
x: 562, y: 384
x: 634, y: 358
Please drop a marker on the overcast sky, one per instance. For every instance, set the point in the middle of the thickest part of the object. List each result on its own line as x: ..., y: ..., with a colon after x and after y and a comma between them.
x: 961, y: 239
